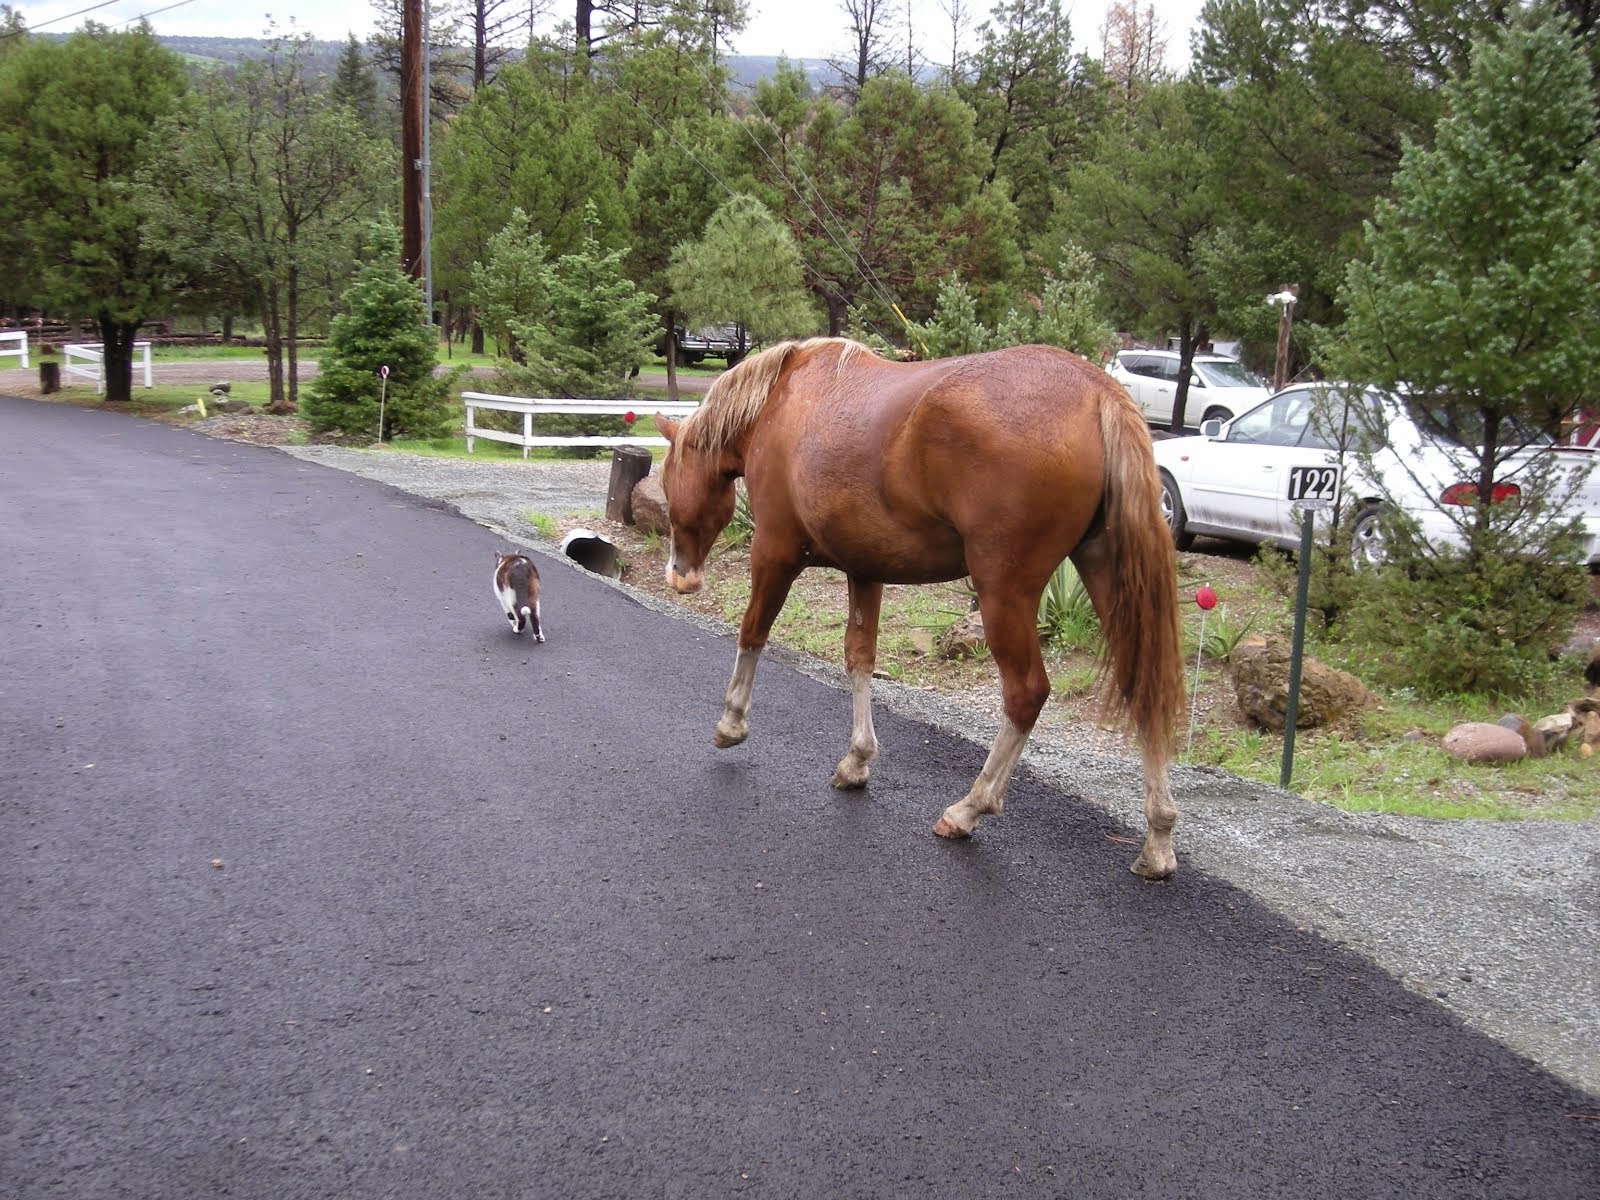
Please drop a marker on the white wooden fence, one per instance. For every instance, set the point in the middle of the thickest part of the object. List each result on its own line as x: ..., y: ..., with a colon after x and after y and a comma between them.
x: 93, y: 366
x: 14, y: 344
x: 531, y: 408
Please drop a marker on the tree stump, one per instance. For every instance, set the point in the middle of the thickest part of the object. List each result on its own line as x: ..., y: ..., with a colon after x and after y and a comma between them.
x: 629, y: 464
x: 49, y: 377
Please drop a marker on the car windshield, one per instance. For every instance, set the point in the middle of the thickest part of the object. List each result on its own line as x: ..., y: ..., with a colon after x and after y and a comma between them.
x: 1463, y: 426
x: 1228, y: 374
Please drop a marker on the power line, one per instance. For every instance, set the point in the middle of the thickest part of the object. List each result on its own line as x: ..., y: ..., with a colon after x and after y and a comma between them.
x: 155, y: 11
x: 58, y: 20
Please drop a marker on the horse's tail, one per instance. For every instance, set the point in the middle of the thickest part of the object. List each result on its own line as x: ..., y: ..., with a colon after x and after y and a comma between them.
x: 1143, y: 642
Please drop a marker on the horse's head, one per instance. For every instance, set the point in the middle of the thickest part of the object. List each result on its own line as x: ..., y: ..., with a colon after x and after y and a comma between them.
x: 700, y: 499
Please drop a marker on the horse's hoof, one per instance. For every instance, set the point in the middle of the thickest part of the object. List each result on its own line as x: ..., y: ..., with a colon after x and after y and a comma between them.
x: 1146, y: 866
x: 722, y: 739
x: 849, y: 780
x: 946, y: 828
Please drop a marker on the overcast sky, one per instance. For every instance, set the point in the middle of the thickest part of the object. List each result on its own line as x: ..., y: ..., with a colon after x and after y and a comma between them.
x: 816, y: 29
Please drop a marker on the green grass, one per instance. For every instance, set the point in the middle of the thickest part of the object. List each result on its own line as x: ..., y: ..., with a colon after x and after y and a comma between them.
x: 1377, y: 768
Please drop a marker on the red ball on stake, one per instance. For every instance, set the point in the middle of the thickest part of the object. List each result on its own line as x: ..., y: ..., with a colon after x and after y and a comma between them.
x: 628, y: 417
x: 1205, y: 598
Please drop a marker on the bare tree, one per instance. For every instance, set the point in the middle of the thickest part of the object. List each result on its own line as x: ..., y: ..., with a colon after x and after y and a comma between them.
x: 960, y: 16
x: 1133, y: 45
x: 492, y: 24
x: 871, y: 41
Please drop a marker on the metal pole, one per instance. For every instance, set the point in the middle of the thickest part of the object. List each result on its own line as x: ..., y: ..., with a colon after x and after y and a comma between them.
x: 1302, y: 590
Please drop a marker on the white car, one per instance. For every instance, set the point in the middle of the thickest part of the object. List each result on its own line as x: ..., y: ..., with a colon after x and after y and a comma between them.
x: 1219, y: 388
x: 1252, y: 478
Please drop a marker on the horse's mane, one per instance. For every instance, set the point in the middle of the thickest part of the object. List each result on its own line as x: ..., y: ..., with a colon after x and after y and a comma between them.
x: 738, y: 395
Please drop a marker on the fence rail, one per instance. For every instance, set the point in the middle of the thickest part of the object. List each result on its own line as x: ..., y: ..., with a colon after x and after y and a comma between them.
x: 93, y: 366
x: 14, y: 344
x: 530, y: 408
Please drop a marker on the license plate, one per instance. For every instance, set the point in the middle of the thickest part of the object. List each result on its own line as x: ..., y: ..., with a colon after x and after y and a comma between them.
x: 1313, y: 483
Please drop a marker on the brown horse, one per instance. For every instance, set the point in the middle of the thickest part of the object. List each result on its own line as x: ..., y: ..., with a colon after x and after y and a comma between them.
x: 994, y: 466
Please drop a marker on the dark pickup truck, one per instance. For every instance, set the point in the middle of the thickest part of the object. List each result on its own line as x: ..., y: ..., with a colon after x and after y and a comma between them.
x: 727, y: 342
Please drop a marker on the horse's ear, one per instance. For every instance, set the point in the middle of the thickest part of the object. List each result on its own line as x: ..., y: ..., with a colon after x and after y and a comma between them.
x: 668, y: 427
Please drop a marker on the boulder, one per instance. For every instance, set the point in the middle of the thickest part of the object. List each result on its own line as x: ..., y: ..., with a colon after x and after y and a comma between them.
x: 1260, y: 667
x: 1481, y: 742
x: 963, y: 639
x: 1531, y: 737
x: 650, y: 507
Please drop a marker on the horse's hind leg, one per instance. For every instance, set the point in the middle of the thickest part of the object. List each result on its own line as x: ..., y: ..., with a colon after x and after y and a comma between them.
x: 1157, y: 859
x: 860, y: 656
x: 769, y: 588
x: 1010, y: 627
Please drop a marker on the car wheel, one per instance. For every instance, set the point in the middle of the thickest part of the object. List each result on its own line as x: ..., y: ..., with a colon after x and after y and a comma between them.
x: 1217, y: 413
x: 733, y: 357
x: 1173, y: 514
x: 1367, y: 547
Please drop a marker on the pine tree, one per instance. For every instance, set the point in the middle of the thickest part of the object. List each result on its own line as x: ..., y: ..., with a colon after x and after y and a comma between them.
x: 596, y: 328
x: 1481, y: 296
x: 380, y: 327
x: 712, y: 279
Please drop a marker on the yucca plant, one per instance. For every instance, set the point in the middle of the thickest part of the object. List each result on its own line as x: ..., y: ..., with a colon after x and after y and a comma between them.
x: 742, y: 527
x: 1066, y: 614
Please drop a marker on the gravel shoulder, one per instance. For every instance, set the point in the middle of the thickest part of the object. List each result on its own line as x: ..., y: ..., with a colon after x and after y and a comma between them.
x: 1497, y: 921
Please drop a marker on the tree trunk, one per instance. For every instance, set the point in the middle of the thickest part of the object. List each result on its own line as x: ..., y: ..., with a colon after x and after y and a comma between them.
x: 277, y: 401
x: 227, y: 328
x: 477, y: 335
x: 116, y: 345
x: 672, y: 354
x: 1188, y: 339
x: 836, y: 311
x: 292, y: 338
x: 582, y: 28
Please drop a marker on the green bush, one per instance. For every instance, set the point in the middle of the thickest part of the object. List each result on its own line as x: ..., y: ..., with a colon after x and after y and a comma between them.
x: 1463, y: 623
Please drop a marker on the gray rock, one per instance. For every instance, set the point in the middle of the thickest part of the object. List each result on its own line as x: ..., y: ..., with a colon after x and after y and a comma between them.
x: 1531, y: 737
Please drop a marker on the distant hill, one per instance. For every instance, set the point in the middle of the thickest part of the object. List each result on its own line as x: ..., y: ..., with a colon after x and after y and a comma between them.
x: 748, y: 70
x: 323, y: 57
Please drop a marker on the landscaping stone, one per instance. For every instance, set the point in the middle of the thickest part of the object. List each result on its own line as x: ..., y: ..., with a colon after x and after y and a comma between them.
x: 1481, y: 742
x: 964, y: 638
x: 1260, y: 667
x: 650, y: 507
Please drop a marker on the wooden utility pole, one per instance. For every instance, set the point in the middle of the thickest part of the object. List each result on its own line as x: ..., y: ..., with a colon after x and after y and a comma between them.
x: 1284, y: 300
x: 413, y: 112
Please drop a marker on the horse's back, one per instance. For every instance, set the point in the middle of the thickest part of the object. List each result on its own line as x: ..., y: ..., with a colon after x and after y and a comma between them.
x: 1010, y: 428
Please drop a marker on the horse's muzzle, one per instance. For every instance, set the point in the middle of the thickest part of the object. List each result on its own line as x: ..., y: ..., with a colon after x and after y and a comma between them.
x: 685, y: 584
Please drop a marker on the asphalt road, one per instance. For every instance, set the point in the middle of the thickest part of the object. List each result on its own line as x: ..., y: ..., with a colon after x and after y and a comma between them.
x: 316, y: 882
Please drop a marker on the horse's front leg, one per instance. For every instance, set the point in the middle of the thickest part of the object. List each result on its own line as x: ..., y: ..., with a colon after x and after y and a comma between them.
x: 769, y: 588
x: 860, y: 656
x: 1010, y: 627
